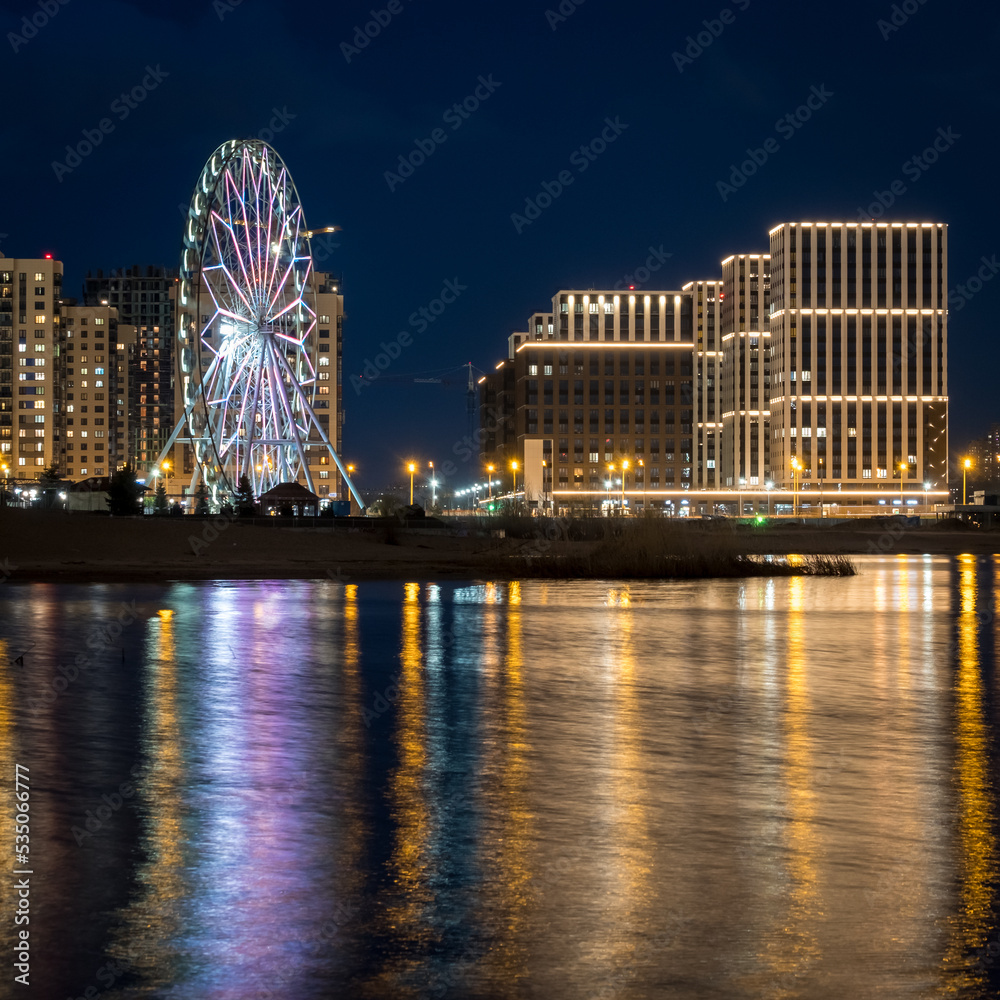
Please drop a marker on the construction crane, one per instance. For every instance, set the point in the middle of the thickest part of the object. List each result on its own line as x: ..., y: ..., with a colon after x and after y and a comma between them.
x: 446, y: 377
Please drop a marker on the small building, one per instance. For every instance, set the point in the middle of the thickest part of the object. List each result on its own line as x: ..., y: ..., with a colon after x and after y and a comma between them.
x: 289, y: 497
x: 88, y: 494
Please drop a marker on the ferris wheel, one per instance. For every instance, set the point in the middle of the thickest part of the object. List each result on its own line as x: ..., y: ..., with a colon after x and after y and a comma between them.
x: 247, y: 327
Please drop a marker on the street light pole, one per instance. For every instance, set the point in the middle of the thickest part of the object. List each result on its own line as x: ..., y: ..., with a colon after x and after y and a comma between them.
x: 413, y: 468
x: 624, y: 470
x: 966, y: 465
x: 489, y: 469
x: 902, y: 472
x: 513, y: 471
x: 795, y: 487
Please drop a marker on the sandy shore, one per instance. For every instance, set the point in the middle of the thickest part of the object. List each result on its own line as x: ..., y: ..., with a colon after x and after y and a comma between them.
x: 37, y: 545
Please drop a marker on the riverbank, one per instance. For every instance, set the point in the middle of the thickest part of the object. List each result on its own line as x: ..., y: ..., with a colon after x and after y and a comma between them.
x: 37, y: 545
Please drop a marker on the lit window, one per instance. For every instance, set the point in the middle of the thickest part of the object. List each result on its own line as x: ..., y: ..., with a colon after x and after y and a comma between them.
x: 39, y: 348
x: 99, y: 321
x: 821, y: 432
x: 324, y: 319
x: 324, y: 361
x: 39, y: 275
x: 866, y: 473
x: 548, y: 370
x: 324, y: 390
x: 39, y: 319
x: 852, y: 432
x: 881, y: 474
x: 324, y: 475
x: 532, y: 369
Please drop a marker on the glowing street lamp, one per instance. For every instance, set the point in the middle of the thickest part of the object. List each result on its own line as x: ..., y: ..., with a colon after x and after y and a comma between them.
x: 966, y: 465
x: 434, y: 486
x: 489, y: 469
x: 796, y: 469
x: 902, y: 473
x: 624, y: 470
x: 413, y: 468
x: 513, y: 469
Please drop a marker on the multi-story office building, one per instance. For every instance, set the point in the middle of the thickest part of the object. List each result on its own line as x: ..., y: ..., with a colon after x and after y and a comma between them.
x: 707, y: 303
x: 745, y: 370
x: 859, y: 336
x: 143, y: 297
x: 610, y: 381
x: 830, y: 351
x: 30, y: 384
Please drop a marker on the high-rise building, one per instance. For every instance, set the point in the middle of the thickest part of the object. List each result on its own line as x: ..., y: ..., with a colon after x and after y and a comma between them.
x: 829, y: 352
x: 707, y: 382
x: 30, y: 384
x: 745, y: 365
x: 859, y: 349
x: 92, y: 353
x: 143, y: 297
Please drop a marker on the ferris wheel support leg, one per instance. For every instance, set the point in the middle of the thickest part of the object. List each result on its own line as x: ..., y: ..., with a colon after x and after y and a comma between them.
x: 288, y: 409
x: 176, y: 432
x: 326, y: 440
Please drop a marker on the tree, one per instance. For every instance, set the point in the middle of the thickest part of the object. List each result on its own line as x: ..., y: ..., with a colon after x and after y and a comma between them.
x: 160, y: 503
x: 124, y: 493
x: 51, y: 476
x: 243, y: 498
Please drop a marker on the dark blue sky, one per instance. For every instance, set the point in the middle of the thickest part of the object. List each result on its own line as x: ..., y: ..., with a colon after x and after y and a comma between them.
x: 225, y: 69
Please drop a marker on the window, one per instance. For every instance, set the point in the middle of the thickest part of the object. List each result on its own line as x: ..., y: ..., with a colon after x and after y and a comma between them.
x: 39, y: 348
x: 548, y: 370
x: 39, y: 276
x: 324, y: 319
x: 532, y: 369
x: 866, y: 473
x: 98, y: 321
x: 39, y: 319
x: 881, y: 474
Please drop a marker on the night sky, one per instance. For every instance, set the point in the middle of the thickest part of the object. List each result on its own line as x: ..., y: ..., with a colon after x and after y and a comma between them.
x: 342, y: 116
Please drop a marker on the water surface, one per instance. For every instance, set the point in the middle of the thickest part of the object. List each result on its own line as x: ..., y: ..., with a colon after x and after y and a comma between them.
x: 740, y: 789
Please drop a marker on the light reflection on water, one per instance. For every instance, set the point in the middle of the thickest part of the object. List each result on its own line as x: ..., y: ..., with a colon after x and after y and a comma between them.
x: 781, y: 788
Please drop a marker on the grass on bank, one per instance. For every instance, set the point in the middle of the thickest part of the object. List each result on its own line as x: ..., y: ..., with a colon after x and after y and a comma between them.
x: 660, y: 549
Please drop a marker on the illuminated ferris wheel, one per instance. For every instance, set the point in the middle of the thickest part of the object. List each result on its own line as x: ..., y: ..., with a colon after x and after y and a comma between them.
x: 246, y: 326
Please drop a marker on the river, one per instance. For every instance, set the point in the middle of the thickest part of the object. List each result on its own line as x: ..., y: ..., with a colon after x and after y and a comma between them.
x: 766, y: 788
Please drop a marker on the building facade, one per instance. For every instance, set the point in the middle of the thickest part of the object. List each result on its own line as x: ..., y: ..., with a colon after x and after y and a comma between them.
x: 859, y: 353
x: 603, y: 392
x: 31, y: 385
x: 745, y: 364
x: 144, y: 298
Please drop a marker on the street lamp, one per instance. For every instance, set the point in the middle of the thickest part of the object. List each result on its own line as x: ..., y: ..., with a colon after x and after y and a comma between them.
x: 796, y: 469
x: 489, y: 469
x: 624, y: 470
x: 433, y: 486
x: 902, y: 472
x: 739, y: 494
x: 641, y: 466
x: 966, y: 465
x: 513, y: 471
x: 611, y: 479
x: 413, y: 468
